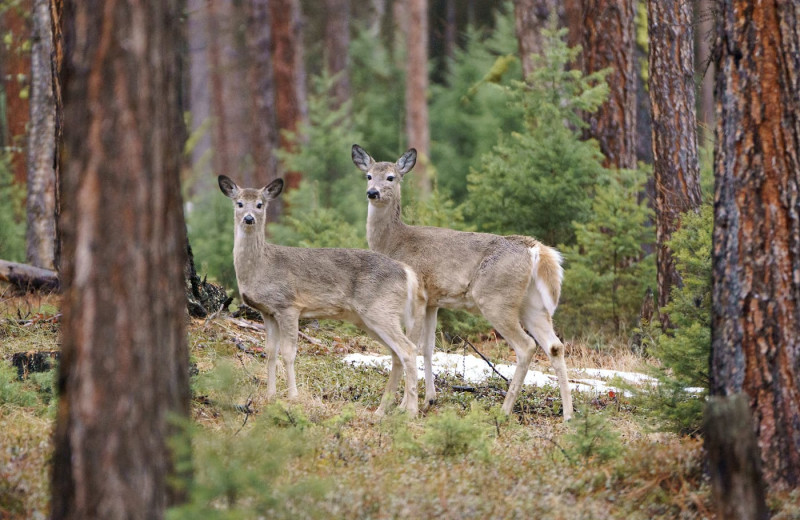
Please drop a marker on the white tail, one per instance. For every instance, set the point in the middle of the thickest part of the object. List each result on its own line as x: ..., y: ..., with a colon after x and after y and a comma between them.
x: 514, y: 281
x: 287, y: 283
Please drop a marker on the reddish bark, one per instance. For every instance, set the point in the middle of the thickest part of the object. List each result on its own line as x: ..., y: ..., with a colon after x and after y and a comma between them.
x: 756, y: 255
x: 15, y: 68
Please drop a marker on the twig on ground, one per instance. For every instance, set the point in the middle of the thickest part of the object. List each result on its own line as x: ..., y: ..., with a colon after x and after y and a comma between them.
x: 504, y: 378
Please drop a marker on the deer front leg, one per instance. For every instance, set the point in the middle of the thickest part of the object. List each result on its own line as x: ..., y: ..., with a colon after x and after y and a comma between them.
x: 287, y: 324
x: 271, y: 351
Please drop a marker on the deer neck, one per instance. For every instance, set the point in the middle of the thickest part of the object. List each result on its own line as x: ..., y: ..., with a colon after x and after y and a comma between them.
x: 250, y: 250
x: 383, y: 225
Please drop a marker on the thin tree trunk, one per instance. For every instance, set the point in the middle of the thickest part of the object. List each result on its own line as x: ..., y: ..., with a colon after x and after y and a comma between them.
x: 608, y: 40
x: 530, y: 17
x: 290, y: 90
x: 123, y: 378
x: 56, y: 11
x: 756, y: 254
x: 41, y: 201
x: 676, y: 168
x: 417, y: 128
x: 337, y: 43
x: 704, y: 67
x: 199, y: 97
x: 263, y: 119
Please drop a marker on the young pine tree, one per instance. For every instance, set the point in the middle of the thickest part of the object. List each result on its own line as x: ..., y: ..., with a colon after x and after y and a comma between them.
x: 538, y: 181
x: 607, y: 271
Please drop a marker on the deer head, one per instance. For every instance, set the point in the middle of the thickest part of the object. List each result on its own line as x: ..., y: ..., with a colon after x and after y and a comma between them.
x: 383, y: 178
x: 250, y: 204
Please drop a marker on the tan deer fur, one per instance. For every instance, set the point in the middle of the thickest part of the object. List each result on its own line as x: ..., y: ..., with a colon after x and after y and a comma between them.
x: 288, y: 283
x: 514, y: 281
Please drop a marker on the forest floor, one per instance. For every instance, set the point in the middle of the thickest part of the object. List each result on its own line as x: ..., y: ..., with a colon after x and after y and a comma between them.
x: 326, y: 455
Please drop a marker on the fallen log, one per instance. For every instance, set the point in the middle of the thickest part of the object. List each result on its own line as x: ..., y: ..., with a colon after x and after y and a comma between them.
x: 27, y: 277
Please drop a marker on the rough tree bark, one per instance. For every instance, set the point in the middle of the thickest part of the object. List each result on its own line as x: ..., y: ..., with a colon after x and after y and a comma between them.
x: 41, y: 201
x: 530, y: 17
x: 676, y: 168
x: 756, y: 254
x: 417, y: 129
x: 15, y: 65
x: 704, y: 67
x: 290, y: 77
x: 606, y: 30
x: 124, y: 369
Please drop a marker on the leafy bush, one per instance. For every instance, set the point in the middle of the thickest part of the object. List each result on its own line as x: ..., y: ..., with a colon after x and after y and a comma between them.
x: 537, y: 182
x: 12, y: 231
x: 607, y: 271
x: 448, y: 435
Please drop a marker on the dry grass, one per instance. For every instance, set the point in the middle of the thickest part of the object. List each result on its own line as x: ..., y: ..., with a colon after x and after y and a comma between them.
x: 337, y: 460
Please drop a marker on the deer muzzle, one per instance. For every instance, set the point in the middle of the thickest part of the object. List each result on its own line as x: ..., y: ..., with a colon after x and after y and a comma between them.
x: 373, y: 194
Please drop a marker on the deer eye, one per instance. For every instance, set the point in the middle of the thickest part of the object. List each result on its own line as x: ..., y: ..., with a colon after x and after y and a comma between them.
x: 259, y: 205
x: 369, y: 177
x: 390, y: 178
x: 240, y: 204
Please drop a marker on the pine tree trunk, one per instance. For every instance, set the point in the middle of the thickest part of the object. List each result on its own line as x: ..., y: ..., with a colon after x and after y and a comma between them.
x: 337, y: 43
x: 676, y: 167
x: 608, y: 40
x: 199, y: 98
x: 15, y: 66
x: 263, y: 119
x: 290, y: 90
x: 704, y: 67
x: 41, y: 201
x: 530, y: 17
x: 756, y: 259
x: 417, y: 128
x: 123, y: 377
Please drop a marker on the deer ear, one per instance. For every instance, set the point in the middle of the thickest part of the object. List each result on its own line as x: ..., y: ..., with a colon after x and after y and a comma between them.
x: 228, y: 187
x: 273, y: 189
x: 361, y: 158
x: 406, y: 161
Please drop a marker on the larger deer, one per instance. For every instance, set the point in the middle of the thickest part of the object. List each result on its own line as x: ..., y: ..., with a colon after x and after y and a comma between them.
x: 514, y: 281
x: 287, y: 283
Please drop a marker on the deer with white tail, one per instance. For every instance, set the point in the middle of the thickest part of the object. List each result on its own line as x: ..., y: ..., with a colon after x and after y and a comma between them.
x: 514, y: 281
x: 288, y: 283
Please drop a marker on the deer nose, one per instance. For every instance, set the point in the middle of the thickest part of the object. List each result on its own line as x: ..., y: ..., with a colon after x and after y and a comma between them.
x: 248, y: 219
x: 373, y: 194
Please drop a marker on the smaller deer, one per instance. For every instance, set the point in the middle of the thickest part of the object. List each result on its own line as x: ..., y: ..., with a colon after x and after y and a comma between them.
x: 288, y: 283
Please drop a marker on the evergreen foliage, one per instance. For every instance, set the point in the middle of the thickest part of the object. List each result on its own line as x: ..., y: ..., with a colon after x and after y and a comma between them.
x: 607, y: 270
x: 538, y: 181
x: 591, y: 438
x: 12, y: 216
x: 469, y: 111
x: 378, y: 93
x: 329, y: 208
x: 684, y: 350
x: 210, y: 227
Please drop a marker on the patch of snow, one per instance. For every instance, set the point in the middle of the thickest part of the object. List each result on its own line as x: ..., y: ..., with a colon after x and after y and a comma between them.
x: 475, y: 370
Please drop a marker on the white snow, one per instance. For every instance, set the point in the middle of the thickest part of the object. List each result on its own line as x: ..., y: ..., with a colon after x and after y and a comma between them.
x: 475, y: 370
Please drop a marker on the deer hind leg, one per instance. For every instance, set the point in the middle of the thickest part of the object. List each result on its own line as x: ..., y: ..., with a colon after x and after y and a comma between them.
x: 524, y: 347
x: 428, y: 344
x: 271, y: 350
x: 287, y: 324
x: 539, y: 323
x: 391, y: 386
x: 406, y: 354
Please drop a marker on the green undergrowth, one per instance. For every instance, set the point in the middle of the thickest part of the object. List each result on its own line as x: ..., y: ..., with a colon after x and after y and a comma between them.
x: 326, y: 455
